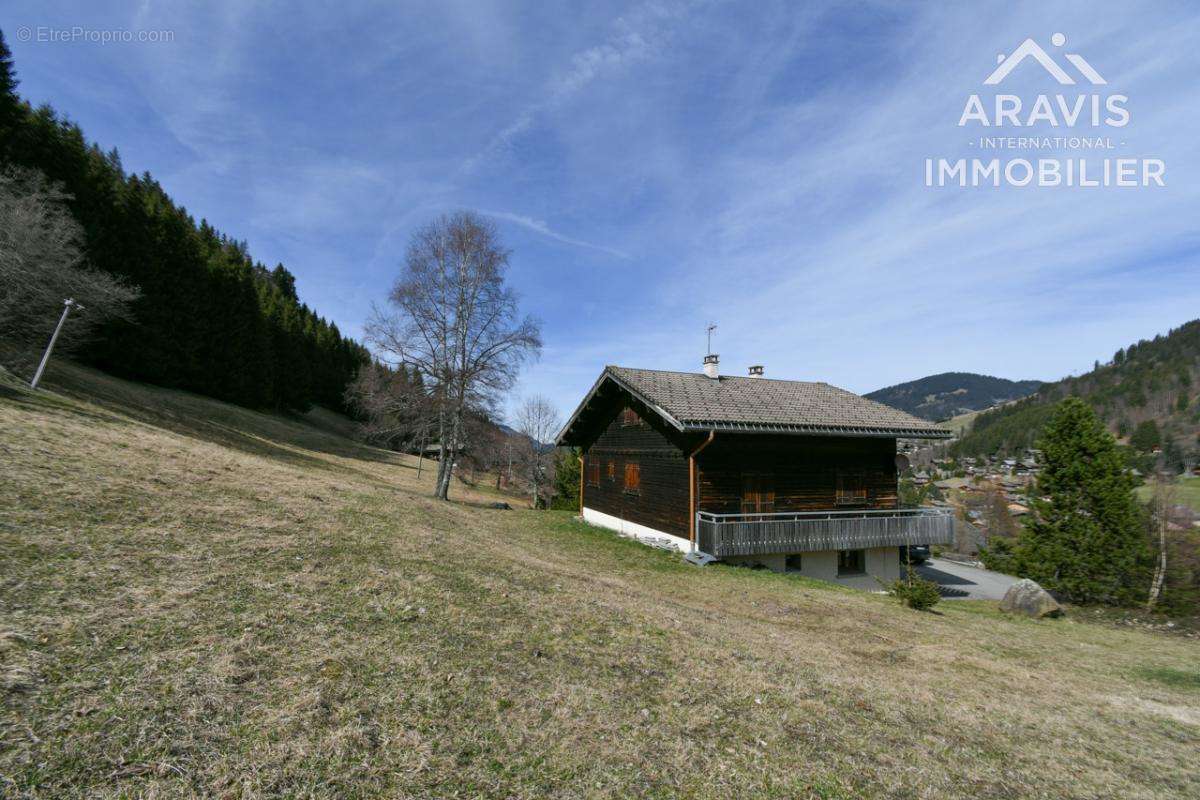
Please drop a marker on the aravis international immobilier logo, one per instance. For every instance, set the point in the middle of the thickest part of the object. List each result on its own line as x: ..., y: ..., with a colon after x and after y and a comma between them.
x: 1065, y: 139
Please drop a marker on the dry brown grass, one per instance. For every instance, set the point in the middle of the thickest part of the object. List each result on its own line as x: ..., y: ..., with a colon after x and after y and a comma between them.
x: 198, y: 600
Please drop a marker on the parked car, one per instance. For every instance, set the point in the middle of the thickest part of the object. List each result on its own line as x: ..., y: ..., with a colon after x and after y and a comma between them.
x: 914, y: 553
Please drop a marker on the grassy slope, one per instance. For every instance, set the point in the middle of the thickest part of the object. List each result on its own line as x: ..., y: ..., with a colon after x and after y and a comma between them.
x: 961, y: 422
x: 1187, y: 492
x: 200, y: 600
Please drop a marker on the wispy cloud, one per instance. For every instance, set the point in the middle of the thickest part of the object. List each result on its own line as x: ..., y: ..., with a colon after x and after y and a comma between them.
x: 540, y: 226
x: 637, y: 35
x: 756, y: 164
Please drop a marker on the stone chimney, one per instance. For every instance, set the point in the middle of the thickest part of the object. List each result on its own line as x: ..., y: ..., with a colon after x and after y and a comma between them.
x: 710, y: 366
x: 756, y: 371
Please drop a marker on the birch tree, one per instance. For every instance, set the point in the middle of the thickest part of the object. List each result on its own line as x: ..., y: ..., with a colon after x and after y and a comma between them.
x: 451, y: 316
x: 1164, y: 498
x: 538, y: 421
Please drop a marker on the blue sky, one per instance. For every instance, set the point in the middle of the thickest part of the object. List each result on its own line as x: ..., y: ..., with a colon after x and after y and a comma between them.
x: 658, y: 165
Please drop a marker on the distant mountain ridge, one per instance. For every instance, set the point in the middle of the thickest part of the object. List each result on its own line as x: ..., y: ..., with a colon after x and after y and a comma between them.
x: 939, y: 397
x: 1153, y: 385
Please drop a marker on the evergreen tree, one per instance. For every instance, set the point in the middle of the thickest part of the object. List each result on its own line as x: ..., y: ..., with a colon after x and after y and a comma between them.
x: 566, y: 478
x: 1146, y: 436
x: 1086, y: 539
x: 11, y: 111
x: 208, y: 319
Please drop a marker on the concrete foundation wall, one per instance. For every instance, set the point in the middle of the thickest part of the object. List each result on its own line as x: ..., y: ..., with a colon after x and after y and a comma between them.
x: 634, y: 531
x: 882, y: 563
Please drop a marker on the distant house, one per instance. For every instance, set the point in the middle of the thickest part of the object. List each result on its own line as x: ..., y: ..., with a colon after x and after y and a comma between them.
x: 790, y: 475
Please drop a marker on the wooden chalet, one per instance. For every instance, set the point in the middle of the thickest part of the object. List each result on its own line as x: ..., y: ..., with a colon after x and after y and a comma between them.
x: 791, y: 475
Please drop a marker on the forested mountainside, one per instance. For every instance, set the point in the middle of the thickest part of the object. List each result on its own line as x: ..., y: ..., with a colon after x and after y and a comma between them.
x: 210, y: 318
x: 1147, y: 395
x: 939, y: 397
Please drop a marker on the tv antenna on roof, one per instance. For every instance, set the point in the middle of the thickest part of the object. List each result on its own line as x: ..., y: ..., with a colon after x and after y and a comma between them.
x: 712, y: 326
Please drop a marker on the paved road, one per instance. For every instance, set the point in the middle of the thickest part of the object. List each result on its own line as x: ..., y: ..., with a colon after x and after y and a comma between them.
x: 960, y: 582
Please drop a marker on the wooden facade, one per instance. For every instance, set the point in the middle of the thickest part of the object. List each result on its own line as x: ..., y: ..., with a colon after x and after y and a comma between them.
x: 636, y: 468
x: 754, y: 473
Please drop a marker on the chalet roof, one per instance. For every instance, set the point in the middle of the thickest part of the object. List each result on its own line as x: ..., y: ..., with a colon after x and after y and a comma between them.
x: 692, y: 401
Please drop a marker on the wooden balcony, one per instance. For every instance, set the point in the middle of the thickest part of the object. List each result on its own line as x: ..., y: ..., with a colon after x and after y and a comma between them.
x: 723, y: 535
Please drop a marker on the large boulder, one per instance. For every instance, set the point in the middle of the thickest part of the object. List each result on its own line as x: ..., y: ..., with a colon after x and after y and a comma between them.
x: 1028, y: 598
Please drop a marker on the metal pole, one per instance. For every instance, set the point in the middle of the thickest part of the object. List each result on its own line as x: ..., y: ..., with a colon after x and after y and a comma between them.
x: 421, y: 455
x: 68, y: 304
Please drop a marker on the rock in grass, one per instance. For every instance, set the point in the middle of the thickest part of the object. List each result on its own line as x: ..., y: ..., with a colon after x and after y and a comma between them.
x: 1028, y: 598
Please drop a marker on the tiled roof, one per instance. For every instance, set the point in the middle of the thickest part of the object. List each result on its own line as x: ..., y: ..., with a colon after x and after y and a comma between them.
x: 693, y: 401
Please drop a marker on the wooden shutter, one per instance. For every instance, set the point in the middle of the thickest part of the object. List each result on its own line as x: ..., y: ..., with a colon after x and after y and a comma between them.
x: 633, y: 478
x: 758, y: 494
x: 851, y: 489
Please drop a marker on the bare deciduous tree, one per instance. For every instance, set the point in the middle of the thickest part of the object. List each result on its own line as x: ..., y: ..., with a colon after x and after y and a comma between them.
x: 1164, y: 499
x: 41, y: 265
x: 452, y: 317
x: 538, y: 421
x: 395, y: 408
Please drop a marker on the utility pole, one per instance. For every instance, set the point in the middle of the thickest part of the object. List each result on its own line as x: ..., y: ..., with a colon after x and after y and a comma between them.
x: 421, y: 453
x: 68, y: 304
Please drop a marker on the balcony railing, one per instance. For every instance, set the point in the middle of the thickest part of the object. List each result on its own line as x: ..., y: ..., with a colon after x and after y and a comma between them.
x: 724, y: 535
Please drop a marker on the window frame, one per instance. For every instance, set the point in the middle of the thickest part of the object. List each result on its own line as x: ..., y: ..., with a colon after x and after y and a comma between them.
x: 758, y: 494
x: 849, y: 571
x: 629, y: 417
x: 592, y: 467
x: 857, y: 495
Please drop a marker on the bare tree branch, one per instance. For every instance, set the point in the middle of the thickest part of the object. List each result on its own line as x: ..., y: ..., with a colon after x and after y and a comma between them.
x: 454, y: 320
x: 42, y: 264
x: 538, y: 420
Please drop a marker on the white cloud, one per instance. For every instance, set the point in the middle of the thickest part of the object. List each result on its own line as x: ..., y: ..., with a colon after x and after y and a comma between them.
x: 540, y: 226
x: 637, y: 35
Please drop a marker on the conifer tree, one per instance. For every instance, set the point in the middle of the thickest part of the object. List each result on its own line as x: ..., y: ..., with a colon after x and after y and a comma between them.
x: 1087, y: 537
x: 10, y: 103
x: 209, y: 319
x: 1146, y: 436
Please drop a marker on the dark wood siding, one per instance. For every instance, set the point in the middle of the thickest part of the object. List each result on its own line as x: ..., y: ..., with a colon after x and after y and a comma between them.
x: 802, y: 471
x: 661, y: 500
x: 779, y: 473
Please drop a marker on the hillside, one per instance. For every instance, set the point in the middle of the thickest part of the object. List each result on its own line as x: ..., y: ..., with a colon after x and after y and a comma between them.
x: 940, y: 397
x: 1153, y: 381
x: 210, y: 317
x: 202, y: 600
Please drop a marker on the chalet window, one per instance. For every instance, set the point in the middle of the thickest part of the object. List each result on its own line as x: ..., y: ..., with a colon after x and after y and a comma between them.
x: 593, y: 473
x: 633, y: 478
x: 629, y: 417
x: 851, y: 489
x: 612, y: 471
x: 758, y: 494
x: 852, y: 562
